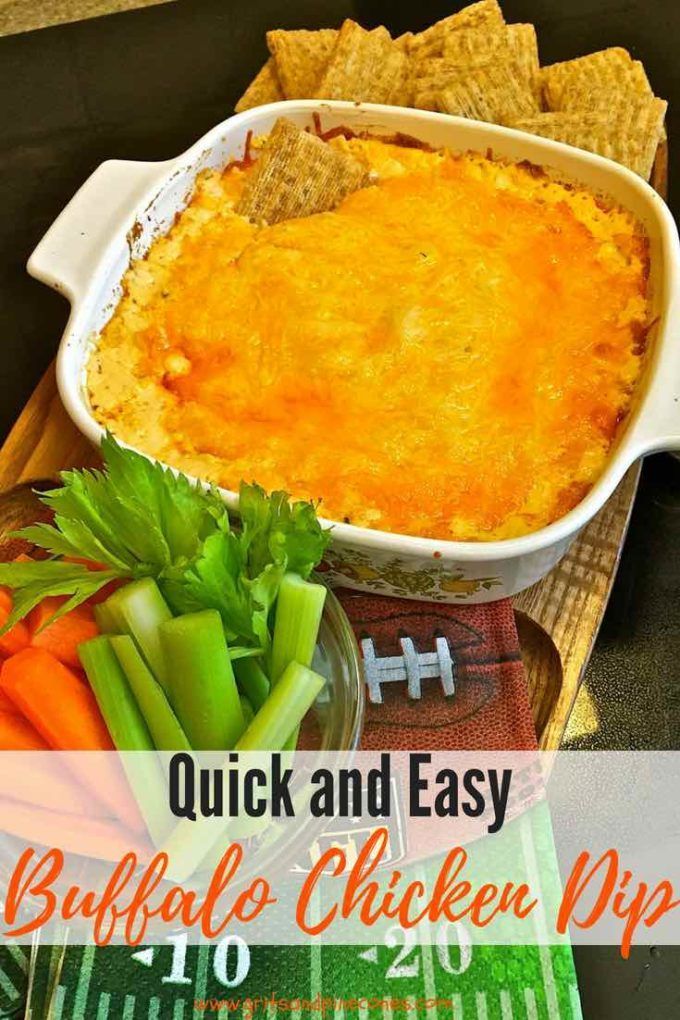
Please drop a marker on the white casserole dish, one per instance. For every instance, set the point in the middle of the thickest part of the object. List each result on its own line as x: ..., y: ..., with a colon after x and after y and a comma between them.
x: 123, y: 206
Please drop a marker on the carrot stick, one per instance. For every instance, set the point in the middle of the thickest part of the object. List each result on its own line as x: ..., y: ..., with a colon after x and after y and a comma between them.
x: 16, y: 638
x: 7, y: 705
x: 17, y: 734
x: 44, y: 782
x: 61, y: 637
x: 90, y: 837
x: 62, y: 709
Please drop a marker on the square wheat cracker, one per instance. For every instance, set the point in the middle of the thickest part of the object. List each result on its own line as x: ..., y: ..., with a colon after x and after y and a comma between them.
x: 524, y: 45
x: 486, y: 15
x: 470, y: 47
x: 497, y: 92
x: 365, y: 67
x: 403, y: 42
x: 463, y: 50
x: 264, y: 88
x: 628, y: 133
x: 468, y: 50
x: 588, y: 93
x: 301, y: 57
x: 297, y: 174
x: 602, y: 67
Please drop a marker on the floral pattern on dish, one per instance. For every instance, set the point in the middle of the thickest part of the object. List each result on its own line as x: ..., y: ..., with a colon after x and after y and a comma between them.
x: 357, y: 569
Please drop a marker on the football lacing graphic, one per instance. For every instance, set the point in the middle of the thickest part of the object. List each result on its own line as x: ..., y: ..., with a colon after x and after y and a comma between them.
x: 412, y: 666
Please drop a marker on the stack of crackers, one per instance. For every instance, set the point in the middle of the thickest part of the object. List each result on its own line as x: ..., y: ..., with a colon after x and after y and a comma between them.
x: 473, y: 64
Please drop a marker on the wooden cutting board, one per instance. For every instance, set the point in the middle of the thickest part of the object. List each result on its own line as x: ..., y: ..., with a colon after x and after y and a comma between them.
x: 557, y: 619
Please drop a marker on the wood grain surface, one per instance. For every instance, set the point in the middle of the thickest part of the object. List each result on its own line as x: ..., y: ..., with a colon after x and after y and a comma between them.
x: 25, y: 15
x: 558, y: 619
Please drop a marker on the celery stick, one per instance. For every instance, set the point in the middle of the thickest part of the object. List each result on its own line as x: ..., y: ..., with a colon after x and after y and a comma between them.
x: 247, y: 708
x: 252, y: 680
x: 139, y: 608
x: 299, y: 608
x: 202, y: 687
x: 283, y: 711
x: 116, y: 701
x: 163, y: 724
x: 191, y: 843
x: 129, y: 732
x: 236, y: 830
x: 106, y: 618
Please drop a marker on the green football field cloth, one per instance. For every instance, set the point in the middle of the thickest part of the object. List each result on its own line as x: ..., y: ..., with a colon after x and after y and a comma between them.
x: 400, y: 980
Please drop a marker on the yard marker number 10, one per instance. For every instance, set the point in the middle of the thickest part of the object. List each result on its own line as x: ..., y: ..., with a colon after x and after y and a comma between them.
x: 231, y: 961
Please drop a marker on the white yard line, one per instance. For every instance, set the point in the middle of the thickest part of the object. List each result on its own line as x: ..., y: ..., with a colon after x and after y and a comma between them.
x: 544, y: 953
x: 506, y: 1004
x: 19, y: 957
x: 425, y: 932
x: 103, y: 1006
x: 58, y: 1007
x: 202, y: 970
x: 8, y: 986
x: 83, y: 985
x: 575, y: 1002
x: 530, y: 1003
x: 129, y: 1007
x: 315, y: 953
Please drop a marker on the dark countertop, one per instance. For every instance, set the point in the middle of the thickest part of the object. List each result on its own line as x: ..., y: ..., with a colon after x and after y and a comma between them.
x: 147, y: 83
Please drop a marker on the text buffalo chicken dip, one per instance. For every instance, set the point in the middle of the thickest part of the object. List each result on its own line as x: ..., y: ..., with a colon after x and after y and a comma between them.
x: 431, y: 343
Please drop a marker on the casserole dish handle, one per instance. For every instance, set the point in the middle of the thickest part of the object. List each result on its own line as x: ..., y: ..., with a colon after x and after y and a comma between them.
x: 68, y: 256
x: 659, y: 427
x: 663, y: 431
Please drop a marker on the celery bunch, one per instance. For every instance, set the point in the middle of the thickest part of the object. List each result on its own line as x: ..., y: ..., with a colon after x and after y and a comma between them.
x: 209, y: 645
x: 138, y: 519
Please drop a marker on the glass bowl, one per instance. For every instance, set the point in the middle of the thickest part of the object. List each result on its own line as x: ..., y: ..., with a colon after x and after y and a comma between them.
x: 335, y: 721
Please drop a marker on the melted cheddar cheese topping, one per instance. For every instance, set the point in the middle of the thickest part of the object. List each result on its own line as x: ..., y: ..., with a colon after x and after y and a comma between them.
x: 448, y: 353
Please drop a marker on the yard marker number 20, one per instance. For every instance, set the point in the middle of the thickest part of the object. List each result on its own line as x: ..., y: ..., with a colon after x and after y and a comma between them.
x: 405, y: 939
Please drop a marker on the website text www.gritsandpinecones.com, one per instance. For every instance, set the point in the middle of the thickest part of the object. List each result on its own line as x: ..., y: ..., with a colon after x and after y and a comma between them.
x: 257, y: 1005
